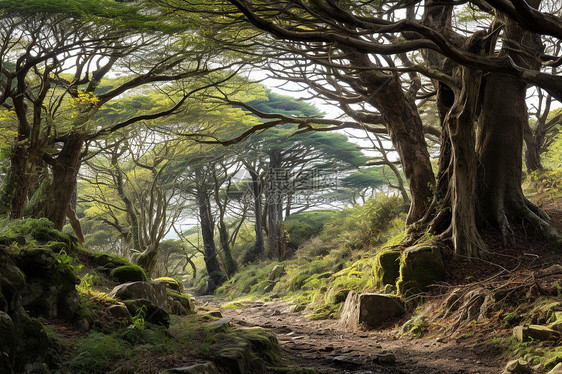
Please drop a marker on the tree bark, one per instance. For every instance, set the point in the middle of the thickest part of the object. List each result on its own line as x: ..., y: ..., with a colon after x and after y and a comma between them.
x: 65, y: 170
x: 216, y: 276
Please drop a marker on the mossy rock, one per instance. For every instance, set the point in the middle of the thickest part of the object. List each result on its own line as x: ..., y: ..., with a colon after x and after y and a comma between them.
x: 7, y: 343
x: 128, y: 273
x: 170, y: 283
x: 335, y: 297
x: 184, y: 299
x: 50, y: 289
x: 386, y: 267
x: 12, y: 283
x: 32, y: 342
x: 420, y: 267
x: 108, y: 260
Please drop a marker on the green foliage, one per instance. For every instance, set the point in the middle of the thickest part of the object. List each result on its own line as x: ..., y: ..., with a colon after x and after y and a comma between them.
x: 538, y: 353
x: 303, y: 226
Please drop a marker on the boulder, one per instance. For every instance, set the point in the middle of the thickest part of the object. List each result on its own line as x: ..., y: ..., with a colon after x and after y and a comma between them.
x: 128, y: 273
x: 156, y: 293
x: 534, y: 332
x: 386, y: 268
x: 420, y: 267
x: 276, y: 272
x: 119, y: 311
x: 147, y: 310
x: 369, y: 310
x: 31, y: 340
x: 7, y: 343
x: 170, y: 283
x: 206, y: 368
x: 519, y: 366
x: 50, y: 289
x: 179, y: 303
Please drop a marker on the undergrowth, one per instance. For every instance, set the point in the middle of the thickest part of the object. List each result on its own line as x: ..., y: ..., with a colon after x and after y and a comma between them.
x: 328, y: 265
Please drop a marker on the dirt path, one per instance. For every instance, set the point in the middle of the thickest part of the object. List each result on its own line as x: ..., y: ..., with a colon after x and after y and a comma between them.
x: 325, y: 346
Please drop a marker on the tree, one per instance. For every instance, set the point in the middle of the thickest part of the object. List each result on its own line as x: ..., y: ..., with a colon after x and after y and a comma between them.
x: 56, y: 86
x: 283, y: 165
x: 131, y: 192
x: 480, y: 80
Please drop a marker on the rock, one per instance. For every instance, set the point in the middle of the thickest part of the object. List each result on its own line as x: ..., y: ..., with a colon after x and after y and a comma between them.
x: 206, y: 368
x: 369, y: 309
x: 156, y: 293
x: 235, y: 359
x: 387, y: 267
x: 178, y: 303
x: 220, y: 324
x: 519, y: 366
x: 276, y: 272
x: 119, y: 311
x: 557, y: 369
x: 50, y: 289
x: 534, y: 332
x: 345, y: 361
x: 128, y: 273
x: 420, y: 267
x: 150, y: 312
x: 32, y: 342
x: 7, y: 343
x: 170, y: 283
x: 385, y: 358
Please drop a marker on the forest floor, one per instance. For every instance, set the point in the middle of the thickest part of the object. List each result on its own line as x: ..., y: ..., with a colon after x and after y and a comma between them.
x: 329, y: 348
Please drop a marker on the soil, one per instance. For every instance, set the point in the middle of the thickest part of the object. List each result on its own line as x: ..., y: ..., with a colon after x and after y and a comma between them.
x: 329, y: 348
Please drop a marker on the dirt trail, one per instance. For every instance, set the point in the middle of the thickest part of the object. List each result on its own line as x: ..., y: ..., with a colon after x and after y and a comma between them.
x: 325, y: 346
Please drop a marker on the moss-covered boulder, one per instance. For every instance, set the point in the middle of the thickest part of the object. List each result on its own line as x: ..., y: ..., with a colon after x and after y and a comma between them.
x: 7, y: 344
x: 386, y: 267
x: 12, y: 282
x: 32, y: 342
x: 156, y: 293
x: 170, y: 283
x: 128, y: 273
x: 50, y: 289
x: 180, y: 303
x: 148, y: 311
x: 420, y: 267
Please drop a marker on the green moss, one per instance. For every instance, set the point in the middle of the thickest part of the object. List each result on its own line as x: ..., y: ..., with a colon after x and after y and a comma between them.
x: 128, y: 273
x: 386, y: 267
x: 184, y: 299
x: 170, y: 283
x: 51, y: 283
x: 420, y: 267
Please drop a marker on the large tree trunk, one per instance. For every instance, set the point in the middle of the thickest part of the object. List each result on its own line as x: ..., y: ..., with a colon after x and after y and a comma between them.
x: 216, y: 276
x: 17, y: 185
x: 532, y: 150
x: 405, y: 128
x: 460, y: 121
x: 148, y: 259
x: 65, y: 170
x: 500, y: 142
x: 499, y: 146
x: 274, y: 198
x: 258, y: 249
